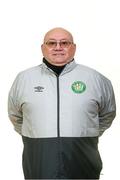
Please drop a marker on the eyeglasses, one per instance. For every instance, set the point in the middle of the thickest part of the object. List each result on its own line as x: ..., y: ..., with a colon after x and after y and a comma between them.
x: 62, y: 43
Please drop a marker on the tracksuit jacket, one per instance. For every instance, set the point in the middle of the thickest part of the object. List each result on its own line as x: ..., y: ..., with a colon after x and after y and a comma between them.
x: 60, y: 118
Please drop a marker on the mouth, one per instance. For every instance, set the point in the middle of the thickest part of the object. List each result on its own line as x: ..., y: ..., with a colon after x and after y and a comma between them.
x: 58, y: 54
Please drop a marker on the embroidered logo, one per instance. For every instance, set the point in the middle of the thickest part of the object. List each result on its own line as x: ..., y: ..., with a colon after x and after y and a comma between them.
x: 38, y: 89
x: 78, y: 87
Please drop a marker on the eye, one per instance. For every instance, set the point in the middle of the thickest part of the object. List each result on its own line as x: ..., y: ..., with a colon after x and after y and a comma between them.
x: 65, y: 43
x: 51, y: 43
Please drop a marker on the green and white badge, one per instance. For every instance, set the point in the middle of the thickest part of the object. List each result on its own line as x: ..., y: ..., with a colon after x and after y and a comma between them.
x: 78, y: 87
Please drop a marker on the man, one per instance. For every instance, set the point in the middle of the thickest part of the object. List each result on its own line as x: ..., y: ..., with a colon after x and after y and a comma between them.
x: 61, y: 108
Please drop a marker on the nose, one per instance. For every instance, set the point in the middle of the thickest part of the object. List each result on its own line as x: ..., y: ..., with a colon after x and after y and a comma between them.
x: 58, y: 46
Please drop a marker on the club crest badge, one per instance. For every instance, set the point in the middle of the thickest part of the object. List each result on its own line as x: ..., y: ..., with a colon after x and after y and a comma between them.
x: 78, y: 87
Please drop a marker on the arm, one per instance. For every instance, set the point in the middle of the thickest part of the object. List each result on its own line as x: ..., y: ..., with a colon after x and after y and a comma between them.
x: 14, y: 107
x: 107, y: 110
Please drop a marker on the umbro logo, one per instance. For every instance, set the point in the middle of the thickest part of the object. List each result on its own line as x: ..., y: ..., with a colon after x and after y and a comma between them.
x: 38, y: 89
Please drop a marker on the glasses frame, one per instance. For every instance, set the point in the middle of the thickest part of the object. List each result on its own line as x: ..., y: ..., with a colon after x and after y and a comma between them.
x: 55, y: 43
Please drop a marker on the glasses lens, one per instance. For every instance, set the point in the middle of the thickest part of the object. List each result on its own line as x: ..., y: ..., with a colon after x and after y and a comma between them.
x: 51, y: 44
x: 65, y: 44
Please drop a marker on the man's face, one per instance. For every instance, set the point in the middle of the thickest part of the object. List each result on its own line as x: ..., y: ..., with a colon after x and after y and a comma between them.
x: 58, y: 47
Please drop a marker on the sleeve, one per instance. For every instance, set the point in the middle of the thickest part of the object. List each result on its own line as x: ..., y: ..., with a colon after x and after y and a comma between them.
x: 14, y: 105
x: 107, y: 110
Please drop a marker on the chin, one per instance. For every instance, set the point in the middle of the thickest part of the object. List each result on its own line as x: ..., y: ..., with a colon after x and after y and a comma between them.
x: 59, y: 62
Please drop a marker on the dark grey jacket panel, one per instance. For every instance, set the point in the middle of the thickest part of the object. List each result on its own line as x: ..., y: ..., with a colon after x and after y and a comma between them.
x: 61, y: 158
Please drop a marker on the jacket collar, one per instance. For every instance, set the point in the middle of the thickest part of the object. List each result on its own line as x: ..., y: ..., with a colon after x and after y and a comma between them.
x: 56, y: 69
x: 68, y: 67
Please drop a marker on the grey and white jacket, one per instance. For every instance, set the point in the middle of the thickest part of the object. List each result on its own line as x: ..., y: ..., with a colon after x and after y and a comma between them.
x: 79, y: 103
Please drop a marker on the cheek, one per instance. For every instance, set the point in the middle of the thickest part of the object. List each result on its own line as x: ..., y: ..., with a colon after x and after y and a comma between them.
x: 45, y: 52
x: 71, y: 53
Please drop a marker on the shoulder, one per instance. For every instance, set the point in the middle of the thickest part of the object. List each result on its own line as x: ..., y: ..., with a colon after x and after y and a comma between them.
x: 26, y: 75
x: 29, y: 72
x: 95, y: 77
x: 91, y: 73
x: 87, y: 69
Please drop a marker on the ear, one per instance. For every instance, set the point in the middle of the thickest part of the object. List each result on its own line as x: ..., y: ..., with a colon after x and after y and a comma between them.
x: 41, y: 46
x: 75, y: 46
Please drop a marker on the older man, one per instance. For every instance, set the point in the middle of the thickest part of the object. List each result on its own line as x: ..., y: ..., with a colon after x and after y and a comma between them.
x: 61, y: 108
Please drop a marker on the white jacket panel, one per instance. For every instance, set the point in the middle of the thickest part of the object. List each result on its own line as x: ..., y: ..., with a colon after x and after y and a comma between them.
x: 78, y: 103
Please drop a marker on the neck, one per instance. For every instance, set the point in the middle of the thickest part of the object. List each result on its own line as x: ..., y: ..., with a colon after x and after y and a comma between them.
x: 55, y: 68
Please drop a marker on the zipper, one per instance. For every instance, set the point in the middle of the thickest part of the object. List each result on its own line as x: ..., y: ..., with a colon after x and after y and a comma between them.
x: 60, y: 169
x: 58, y: 107
x: 58, y: 103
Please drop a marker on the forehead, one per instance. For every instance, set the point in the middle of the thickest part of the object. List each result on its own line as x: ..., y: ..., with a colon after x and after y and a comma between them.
x: 58, y: 34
